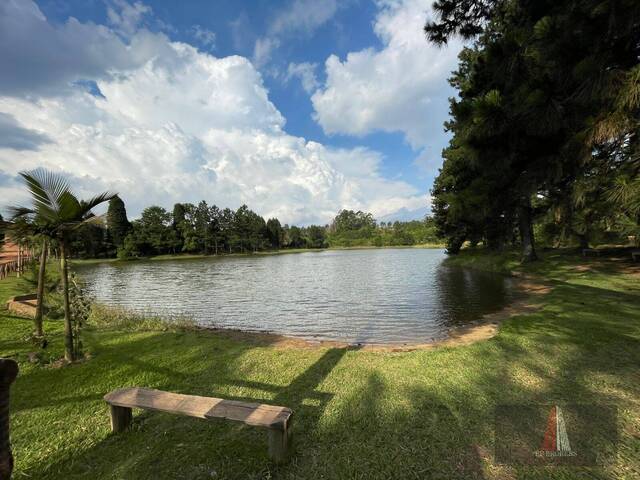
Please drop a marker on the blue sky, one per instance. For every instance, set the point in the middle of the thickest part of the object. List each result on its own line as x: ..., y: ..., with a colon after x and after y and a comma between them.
x: 297, y: 107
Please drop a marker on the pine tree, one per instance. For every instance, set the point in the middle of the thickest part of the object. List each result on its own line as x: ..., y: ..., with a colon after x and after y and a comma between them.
x: 117, y: 223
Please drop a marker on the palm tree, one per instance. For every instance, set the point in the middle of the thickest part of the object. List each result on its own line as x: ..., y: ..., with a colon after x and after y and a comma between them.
x: 20, y: 229
x: 56, y: 211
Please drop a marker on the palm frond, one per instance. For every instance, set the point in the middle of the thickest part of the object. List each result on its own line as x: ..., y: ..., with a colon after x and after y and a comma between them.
x: 46, y: 188
x: 20, y: 229
x: 88, y: 205
x: 69, y: 208
x: 16, y: 212
x: 98, y: 220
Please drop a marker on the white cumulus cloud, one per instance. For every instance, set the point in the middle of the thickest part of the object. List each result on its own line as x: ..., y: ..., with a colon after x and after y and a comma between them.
x: 399, y: 88
x: 172, y: 124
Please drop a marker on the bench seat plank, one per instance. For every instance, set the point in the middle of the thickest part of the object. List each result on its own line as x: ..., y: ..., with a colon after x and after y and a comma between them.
x: 254, y: 414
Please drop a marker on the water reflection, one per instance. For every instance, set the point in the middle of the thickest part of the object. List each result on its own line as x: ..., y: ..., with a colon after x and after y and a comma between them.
x: 364, y: 296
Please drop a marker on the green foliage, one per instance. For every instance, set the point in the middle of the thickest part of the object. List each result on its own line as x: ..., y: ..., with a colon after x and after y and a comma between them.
x: 90, y: 241
x: 359, y: 229
x: 55, y: 214
x: 204, y: 229
x: 315, y: 236
x: 275, y: 233
x: 105, y: 317
x: 118, y: 225
x: 152, y: 234
x: 545, y: 124
x: 293, y: 237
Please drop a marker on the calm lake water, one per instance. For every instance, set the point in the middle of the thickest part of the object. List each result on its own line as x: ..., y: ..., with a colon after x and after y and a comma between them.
x: 360, y: 296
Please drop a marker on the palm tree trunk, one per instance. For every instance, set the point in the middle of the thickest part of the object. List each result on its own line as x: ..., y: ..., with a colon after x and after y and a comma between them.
x: 19, y: 266
x: 68, y: 330
x: 40, y: 296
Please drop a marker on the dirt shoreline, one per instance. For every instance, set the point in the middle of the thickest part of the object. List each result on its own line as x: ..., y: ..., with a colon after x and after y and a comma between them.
x: 528, y: 291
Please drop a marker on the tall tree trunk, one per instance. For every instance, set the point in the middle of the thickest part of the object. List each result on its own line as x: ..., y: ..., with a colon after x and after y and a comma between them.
x: 583, y: 238
x: 68, y: 330
x: 40, y: 296
x: 526, y: 231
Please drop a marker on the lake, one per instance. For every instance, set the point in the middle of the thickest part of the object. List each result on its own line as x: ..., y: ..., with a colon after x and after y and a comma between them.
x: 357, y: 296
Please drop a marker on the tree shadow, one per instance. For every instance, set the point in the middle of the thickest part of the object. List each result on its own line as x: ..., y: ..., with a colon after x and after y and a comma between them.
x: 171, y: 446
x: 427, y: 414
x: 379, y: 433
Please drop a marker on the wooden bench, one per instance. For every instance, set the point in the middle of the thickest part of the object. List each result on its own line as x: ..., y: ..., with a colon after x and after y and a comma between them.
x: 594, y: 251
x: 276, y: 419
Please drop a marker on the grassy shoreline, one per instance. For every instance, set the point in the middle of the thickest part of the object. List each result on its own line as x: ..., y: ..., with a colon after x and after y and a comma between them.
x: 358, y: 413
x: 188, y: 256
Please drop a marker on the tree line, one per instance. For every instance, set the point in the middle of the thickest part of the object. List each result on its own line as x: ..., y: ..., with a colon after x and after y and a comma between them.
x: 360, y: 229
x: 204, y: 229
x: 544, y: 128
x: 210, y: 230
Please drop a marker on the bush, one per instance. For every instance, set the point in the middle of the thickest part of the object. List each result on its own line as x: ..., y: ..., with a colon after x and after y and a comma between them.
x: 102, y: 316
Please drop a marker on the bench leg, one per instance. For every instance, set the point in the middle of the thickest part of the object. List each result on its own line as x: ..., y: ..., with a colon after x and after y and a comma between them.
x: 120, y: 418
x: 279, y: 443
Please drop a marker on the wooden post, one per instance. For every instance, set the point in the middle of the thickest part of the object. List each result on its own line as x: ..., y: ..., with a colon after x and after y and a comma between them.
x: 120, y: 418
x: 8, y: 373
x: 279, y: 442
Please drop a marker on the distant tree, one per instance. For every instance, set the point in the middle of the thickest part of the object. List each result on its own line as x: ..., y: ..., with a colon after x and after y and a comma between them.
x: 178, y: 218
x: 201, y: 223
x: 178, y: 215
x: 241, y: 229
x: 152, y: 233
x: 348, y: 221
x: 316, y: 236
x: 215, y: 227
x: 275, y: 233
x: 258, y: 235
x: 118, y: 225
x: 295, y: 238
x: 89, y: 241
x: 184, y: 228
x: 227, y: 228
x: 351, y: 228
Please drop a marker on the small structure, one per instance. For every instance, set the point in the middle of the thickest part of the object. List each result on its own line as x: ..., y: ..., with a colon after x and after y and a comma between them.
x: 13, y: 258
x: 276, y: 419
x: 23, y: 305
x: 635, y: 255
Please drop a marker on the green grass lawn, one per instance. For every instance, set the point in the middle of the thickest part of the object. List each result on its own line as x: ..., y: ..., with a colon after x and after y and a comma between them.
x: 359, y: 414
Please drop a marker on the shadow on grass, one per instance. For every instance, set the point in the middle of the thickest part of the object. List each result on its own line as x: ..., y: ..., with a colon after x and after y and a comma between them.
x: 426, y: 414
x: 169, y: 446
